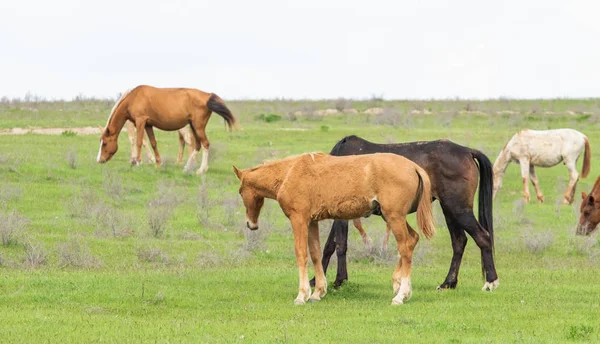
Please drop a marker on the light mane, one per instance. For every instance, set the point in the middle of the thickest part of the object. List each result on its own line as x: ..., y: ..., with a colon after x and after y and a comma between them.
x: 112, y: 112
x: 274, y: 161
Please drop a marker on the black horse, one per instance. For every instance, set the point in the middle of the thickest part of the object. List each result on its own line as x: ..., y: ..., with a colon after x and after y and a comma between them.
x: 454, y: 176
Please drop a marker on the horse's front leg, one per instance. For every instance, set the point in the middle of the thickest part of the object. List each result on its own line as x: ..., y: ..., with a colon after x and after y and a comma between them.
x: 573, y: 178
x: 140, y: 124
x: 315, y: 255
x: 300, y: 229
x: 406, y: 240
x: 536, y: 184
x: 152, y: 139
x: 525, y: 175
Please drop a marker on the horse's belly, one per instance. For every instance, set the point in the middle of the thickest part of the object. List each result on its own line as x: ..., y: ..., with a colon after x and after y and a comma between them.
x: 546, y: 160
x: 347, y: 209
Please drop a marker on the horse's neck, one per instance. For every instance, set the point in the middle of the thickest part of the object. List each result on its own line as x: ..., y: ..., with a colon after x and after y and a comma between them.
x: 501, y: 162
x: 116, y: 123
x: 267, y: 179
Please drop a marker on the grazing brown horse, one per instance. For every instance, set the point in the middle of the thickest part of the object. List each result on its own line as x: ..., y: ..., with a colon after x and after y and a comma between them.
x: 454, y: 172
x: 315, y: 186
x: 589, y: 216
x: 166, y: 109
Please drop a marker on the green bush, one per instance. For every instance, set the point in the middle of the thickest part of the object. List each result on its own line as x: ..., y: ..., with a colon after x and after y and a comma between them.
x: 271, y: 117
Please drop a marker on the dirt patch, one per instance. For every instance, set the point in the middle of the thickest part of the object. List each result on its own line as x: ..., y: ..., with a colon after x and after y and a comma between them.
x: 50, y: 131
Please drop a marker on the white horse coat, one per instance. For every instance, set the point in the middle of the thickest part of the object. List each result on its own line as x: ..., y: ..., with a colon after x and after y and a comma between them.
x: 544, y: 148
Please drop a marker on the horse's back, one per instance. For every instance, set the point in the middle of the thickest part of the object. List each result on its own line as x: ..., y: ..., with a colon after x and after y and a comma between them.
x: 546, y: 148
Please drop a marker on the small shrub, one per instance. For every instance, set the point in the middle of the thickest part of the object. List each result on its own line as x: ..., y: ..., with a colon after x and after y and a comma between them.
x: 152, y: 255
x: 12, y: 227
x: 35, y: 255
x: 582, y: 118
x: 9, y: 193
x: 190, y: 236
x: 75, y: 253
x: 324, y: 128
x: 537, y: 242
x: 161, y: 209
x: 271, y: 117
x: 68, y: 133
x: 209, y: 259
x: 342, y: 104
x: 579, y: 332
x: 203, y: 202
x: 230, y: 205
x: 71, y: 157
x: 255, y: 240
x: 113, y: 184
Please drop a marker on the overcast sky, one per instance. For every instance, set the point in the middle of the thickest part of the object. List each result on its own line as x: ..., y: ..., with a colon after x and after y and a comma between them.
x: 302, y: 49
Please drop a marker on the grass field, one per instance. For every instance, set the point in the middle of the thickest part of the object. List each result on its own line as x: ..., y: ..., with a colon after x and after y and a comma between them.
x: 114, y: 253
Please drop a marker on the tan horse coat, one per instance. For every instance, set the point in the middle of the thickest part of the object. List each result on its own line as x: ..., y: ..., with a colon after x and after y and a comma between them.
x: 544, y: 148
x: 312, y: 187
x: 166, y: 109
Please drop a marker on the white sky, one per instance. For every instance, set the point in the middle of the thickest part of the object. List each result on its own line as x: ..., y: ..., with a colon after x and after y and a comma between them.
x: 302, y: 49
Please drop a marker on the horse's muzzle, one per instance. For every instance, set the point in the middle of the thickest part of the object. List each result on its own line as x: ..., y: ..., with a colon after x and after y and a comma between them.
x: 251, y: 226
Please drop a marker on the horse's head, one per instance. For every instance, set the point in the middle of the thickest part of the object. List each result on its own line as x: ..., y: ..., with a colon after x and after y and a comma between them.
x: 252, y: 200
x: 590, y: 214
x: 108, y: 145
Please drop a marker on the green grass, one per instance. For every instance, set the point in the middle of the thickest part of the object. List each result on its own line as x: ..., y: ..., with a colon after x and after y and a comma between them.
x: 213, y: 281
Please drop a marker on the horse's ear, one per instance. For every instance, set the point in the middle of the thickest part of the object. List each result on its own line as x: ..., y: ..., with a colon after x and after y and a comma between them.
x: 583, y: 195
x: 591, y: 200
x: 237, y: 172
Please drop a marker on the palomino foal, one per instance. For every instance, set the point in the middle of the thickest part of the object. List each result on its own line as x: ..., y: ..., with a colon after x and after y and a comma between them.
x: 313, y: 187
x: 544, y: 148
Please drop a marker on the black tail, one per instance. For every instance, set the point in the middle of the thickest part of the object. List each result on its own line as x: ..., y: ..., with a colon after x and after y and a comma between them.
x: 216, y: 104
x: 486, y: 182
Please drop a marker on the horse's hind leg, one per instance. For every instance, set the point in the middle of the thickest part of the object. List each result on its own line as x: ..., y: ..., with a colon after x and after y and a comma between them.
x: 315, y: 255
x: 181, y: 147
x: 484, y: 242
x: 573, y: 178
x: 195, y: 127
x: 524, y: 174
x: 152, y: 139
x: 406, y: 240
x: 198, y: 126
x: 459, y: 241
x: 536, y: 184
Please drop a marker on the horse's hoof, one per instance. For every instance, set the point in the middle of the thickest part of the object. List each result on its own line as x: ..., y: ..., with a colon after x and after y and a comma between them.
x: 338, y: 283
x: 397, y: 302
x: 314, y: 299
x: 299, y: 302
x: 489, y: 286
x: 446, y: 286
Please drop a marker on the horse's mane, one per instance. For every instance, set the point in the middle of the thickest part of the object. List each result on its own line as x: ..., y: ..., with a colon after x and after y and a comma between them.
x: 291, y: 157
x: 112, y: 112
